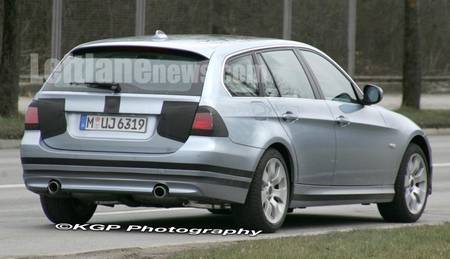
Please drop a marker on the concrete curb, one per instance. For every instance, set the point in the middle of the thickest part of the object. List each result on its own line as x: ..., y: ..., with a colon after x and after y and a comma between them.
x: 437, y: 132
x: 9, y: 143
x: 15, y: 143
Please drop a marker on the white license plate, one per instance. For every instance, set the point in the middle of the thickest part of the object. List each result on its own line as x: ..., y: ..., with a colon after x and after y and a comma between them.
x: 113, y: 123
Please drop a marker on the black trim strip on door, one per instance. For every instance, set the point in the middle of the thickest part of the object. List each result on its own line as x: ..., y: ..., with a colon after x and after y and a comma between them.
x: 301, y: 197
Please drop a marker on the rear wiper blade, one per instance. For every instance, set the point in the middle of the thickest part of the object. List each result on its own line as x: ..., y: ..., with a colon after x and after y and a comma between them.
x: 101, y: 85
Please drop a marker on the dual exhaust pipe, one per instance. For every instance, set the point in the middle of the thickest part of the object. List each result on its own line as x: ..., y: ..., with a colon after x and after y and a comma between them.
x: 53, y: 187
x: 159, y: 191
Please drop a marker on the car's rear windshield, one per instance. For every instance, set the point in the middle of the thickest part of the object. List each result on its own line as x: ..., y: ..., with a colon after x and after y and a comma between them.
x: 130, y: 70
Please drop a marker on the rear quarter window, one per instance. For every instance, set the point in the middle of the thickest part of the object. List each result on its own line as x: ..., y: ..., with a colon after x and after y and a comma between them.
x: 240, y: 77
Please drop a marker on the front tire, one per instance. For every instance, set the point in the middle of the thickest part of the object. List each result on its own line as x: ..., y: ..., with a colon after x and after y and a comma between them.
x: 411, y: 188
x: 67, y: 210
x: 268, y: 197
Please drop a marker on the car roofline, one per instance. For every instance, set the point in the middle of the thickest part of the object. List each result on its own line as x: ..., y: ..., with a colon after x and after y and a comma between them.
x: 204, y: 45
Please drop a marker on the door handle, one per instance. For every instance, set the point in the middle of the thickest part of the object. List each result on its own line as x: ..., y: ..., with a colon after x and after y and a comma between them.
x: 289, y: 116
x: 343, y: 121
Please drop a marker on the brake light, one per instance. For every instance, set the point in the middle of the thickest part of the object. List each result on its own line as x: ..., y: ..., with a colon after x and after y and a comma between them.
x: 203, y: 124
x: 31, y: 118
x: 203, y: 121
x: 208, y: 122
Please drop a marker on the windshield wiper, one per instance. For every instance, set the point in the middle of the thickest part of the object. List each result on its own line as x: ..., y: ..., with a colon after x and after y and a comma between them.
x: 104, y: 85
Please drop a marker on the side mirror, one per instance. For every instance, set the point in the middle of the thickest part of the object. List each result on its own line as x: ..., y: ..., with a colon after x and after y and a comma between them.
x: 372, y: 95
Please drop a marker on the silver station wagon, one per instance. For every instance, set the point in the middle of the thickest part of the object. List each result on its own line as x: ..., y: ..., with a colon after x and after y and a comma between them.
x: 249, y: 126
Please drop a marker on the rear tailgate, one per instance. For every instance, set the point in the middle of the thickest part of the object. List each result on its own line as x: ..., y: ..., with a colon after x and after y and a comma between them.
x: 121, y: 99
x: 119, y: 123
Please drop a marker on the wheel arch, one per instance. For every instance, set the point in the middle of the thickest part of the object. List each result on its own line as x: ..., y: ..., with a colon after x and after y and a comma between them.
x: 423, y: 143
x: 289, y: 160
x: 284, y: 151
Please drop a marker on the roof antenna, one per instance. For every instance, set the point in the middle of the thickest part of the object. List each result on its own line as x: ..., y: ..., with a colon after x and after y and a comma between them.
x: 159, y: 35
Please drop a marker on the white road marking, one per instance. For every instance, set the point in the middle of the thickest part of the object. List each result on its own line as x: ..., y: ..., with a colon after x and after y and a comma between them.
x: 441, y: 165
x: 10, y: 186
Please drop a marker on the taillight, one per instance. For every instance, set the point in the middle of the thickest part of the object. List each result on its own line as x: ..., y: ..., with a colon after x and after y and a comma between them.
x: 203, y: 124
x: 31, y: 118
x: 207, y: 122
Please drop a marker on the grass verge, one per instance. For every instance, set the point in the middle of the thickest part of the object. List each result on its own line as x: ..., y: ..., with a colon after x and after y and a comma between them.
x: 432, y: 241
x: 12, y: 127
x: 428, y: 118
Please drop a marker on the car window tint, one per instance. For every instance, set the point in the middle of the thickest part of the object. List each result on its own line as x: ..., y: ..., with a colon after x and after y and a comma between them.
x: 288, y: 73
x: 267, y: 79
x: 136, y: 69
x: 240, y: 77
x: 335, y: 86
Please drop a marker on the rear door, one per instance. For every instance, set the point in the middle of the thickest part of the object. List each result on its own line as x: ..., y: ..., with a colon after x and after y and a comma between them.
x: 307, y: 121
x: 121, y: 99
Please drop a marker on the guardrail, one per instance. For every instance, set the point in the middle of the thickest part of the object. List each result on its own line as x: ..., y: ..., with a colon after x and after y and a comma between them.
x: 430, y: 84
x: 399, y: 78
x: 393, y: 84
x: 26, y: 78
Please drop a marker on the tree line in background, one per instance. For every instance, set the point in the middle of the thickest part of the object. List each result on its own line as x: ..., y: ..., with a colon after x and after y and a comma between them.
x: 9, y: 61
x: 322, y: 23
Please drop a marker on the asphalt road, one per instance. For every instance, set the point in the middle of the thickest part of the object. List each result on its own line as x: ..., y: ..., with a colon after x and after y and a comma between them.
x: 24, y: 229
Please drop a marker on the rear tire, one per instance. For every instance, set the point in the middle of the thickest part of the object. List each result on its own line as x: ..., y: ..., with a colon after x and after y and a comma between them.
x: 268, y: 197
x: 66, y: 210
x: 411, y: 188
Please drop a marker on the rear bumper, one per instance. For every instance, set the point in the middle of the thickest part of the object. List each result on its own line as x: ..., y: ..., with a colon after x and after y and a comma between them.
x: 213, y: 170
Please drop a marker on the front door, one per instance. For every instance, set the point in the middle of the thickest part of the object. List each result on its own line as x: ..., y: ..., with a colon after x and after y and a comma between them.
x: 362, y: 146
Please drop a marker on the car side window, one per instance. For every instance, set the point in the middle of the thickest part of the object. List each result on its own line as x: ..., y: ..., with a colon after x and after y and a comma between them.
x: 266, y: 78
x: 335, y: 86
x: 240, y: 77
x: 288, y: 73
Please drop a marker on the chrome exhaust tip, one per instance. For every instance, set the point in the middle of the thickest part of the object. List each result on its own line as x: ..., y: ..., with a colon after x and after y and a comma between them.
x: 53, y: 187
x: 160, y: 191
